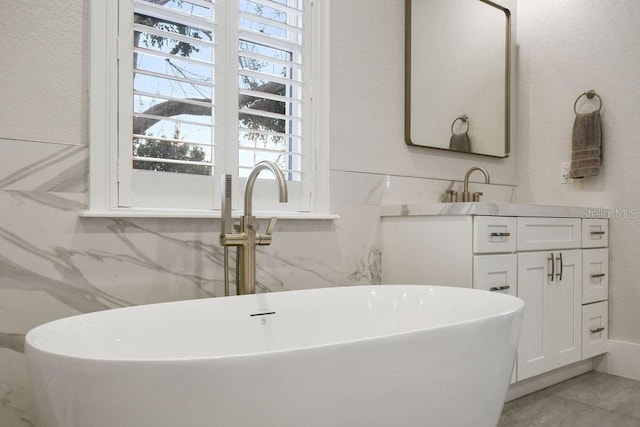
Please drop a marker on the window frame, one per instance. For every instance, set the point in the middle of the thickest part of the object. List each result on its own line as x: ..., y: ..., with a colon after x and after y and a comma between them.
x: 104, y: 133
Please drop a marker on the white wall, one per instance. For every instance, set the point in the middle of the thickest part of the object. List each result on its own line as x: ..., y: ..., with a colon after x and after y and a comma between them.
x: 565, y: 48
x: 44, y: 82
x: 367, y: 96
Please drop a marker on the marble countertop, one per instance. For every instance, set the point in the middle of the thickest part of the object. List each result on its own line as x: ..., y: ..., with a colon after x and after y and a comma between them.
x: 492, y: 209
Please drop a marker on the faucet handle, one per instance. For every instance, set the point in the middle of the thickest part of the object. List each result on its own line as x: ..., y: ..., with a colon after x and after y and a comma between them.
x: 265, y: 239
x: 476, y: 196
x: 272, y: 225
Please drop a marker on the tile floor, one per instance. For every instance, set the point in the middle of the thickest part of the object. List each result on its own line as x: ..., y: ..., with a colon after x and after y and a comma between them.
x: 590, y: 400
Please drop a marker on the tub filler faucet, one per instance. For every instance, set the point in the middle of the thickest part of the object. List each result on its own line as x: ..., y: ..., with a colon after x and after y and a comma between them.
x: 246, y: 237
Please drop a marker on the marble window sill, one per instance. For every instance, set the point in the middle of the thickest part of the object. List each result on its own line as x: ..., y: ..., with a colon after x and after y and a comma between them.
x: 195, y: 213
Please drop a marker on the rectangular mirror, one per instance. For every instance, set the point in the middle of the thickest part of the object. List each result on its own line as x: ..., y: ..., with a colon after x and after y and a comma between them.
x: 458, y: 55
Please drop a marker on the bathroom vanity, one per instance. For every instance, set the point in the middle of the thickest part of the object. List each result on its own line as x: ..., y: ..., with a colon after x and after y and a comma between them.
x: 556, y: 259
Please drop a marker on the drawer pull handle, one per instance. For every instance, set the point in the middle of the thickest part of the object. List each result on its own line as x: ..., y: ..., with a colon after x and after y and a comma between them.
x: 553, y: 267
x: 597, y: 233
x: 561, y: 267
x: 500, y: 234
x: 595, y: 331
x: 499, y: 288
x: 597, y: 275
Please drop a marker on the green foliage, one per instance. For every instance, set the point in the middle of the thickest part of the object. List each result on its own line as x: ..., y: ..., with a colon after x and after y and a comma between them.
x: 158, y: 149
x: 251, y: 121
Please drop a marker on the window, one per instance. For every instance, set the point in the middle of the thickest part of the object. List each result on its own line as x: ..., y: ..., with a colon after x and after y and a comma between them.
x: 185, y: 91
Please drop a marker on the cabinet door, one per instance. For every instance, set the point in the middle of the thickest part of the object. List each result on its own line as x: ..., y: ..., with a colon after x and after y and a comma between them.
x: 496, y: 273
x: 494, y: 234
x: 594, y: 329
x: 595, y: 275
x: 427, y: 250
x: 549, y: 284
x: 595, y: 233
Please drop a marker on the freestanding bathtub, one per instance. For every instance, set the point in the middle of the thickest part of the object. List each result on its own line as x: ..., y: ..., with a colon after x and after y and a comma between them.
x: 388, y: 355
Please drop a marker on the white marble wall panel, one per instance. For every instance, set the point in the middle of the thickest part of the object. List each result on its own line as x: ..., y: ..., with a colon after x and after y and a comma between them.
x: 54, y: 263
x: 16, y: 401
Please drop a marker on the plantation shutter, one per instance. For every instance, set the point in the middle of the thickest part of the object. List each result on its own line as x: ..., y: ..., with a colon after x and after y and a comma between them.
x: 271, y: 84
x: 173, y: 76
x: 207, y: 88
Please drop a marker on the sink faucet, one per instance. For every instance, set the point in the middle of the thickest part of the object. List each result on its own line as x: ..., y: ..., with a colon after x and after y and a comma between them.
x: 466, y: 197
x: 246, y: 237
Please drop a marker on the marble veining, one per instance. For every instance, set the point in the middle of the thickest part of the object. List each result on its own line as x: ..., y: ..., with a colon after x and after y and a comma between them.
x: 48, y: 168
x: 13, y: 342
x: 55, y: 263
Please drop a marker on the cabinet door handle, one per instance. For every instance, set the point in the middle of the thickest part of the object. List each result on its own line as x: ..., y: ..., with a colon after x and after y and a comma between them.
x: 597, y: 233
x: 596, y: 330
x: 597, y: 275
x: 505, y: 234
x: 561, y: 266
x: 499, y: 288
x: 553, y: 267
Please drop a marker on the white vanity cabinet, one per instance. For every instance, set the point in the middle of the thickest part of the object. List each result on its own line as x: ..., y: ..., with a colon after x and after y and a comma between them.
x: 595, y: 287
x: 558, y: 265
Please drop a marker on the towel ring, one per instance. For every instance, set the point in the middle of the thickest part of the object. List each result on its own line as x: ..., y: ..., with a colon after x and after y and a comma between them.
x: 590, y: 94
x: 464, y: 119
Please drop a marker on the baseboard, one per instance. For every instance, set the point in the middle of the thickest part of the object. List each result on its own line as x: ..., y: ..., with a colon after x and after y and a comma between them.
x: 522, y: 388
x: 623, y: 359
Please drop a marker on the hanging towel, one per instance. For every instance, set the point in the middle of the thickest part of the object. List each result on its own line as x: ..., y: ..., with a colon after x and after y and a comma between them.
x: 586, y: 142
x: 460, y: 142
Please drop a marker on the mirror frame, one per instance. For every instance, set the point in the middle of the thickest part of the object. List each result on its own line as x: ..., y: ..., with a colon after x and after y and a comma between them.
x: 507, y: 91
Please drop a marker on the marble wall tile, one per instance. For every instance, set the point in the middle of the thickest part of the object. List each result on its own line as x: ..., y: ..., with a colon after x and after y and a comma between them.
x: 54, y: 263
x: 42, y: 167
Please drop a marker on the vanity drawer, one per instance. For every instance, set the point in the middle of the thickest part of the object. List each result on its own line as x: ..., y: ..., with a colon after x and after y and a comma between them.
x: 595, y: 275
x: 494, y: 234
x: 595, y: 329
x: 496, y: 273
x: 595, y: 233
x: 548, y: 233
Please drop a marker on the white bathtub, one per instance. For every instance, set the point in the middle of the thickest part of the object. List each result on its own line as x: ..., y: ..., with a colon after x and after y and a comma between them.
x: 353, y: 356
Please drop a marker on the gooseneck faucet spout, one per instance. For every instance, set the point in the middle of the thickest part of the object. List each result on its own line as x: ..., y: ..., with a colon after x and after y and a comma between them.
x: 466, y: 197
x: 246, y: 239
x: 248, y: 190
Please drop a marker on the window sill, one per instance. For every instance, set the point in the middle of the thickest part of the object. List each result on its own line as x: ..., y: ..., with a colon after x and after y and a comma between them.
x: 195, y: 213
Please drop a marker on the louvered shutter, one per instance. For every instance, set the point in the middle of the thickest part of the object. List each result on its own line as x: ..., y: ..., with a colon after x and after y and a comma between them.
x: 188, y: 115
x: 271, y: 84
